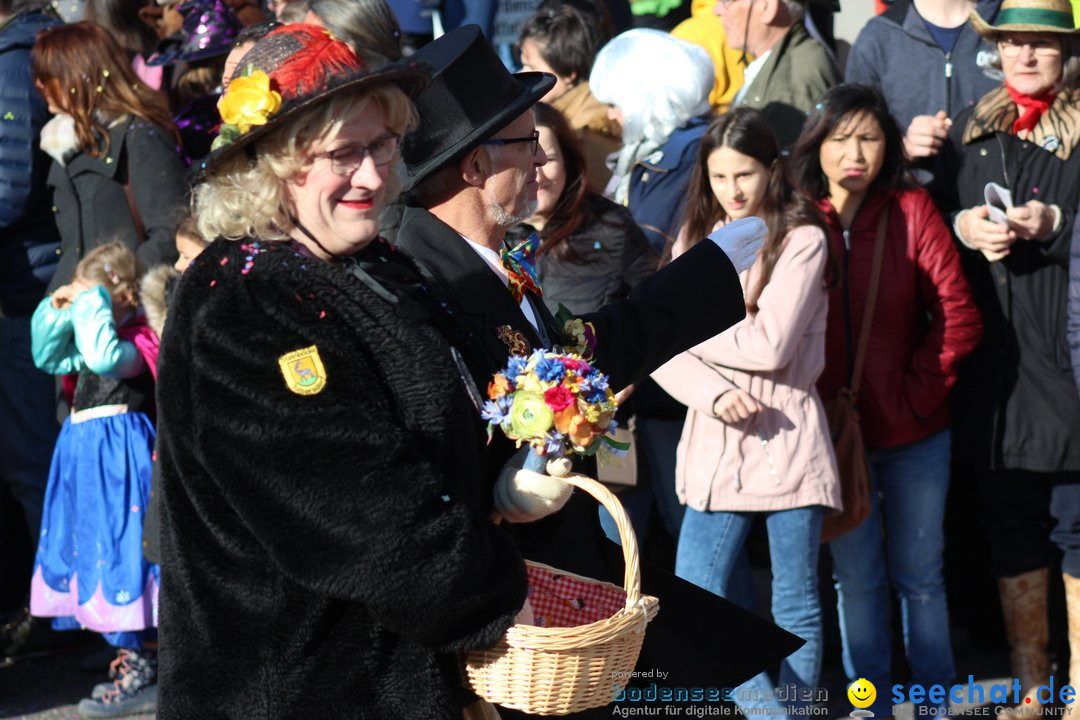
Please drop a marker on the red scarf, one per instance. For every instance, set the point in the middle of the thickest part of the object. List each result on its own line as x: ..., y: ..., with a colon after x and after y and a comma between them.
x: 1033, y: 108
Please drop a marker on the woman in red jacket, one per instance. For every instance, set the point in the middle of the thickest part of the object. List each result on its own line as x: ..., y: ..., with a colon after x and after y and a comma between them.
x: 850, y: 160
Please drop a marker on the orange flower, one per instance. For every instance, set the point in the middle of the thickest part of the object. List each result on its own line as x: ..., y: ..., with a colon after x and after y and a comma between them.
x: 498, y: 386
x: 564, y: 418
x: 582, y: 431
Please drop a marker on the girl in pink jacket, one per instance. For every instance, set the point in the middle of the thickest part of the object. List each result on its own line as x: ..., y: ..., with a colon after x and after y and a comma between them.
x: 755, y: 439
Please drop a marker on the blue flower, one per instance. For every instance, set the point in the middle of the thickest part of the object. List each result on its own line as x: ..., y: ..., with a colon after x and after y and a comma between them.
x: 595, y: 396
x: 550, y: 369
x: 514, y: 367
x: 553, y: 444
x: 597, y: 380
x: 496, y: 411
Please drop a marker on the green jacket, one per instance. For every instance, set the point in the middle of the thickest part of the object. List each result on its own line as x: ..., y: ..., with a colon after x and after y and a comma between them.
x: 796, y: 73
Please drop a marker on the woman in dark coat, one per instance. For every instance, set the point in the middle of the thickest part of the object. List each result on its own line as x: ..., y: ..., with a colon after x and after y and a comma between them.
x: 1018, y: 411
x: 591, y: 252
x: 116, y: 174
x: 326, y: 547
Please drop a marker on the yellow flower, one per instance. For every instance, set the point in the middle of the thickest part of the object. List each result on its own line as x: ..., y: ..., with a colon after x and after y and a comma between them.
x: 249, y: 101
x: 532, y: 384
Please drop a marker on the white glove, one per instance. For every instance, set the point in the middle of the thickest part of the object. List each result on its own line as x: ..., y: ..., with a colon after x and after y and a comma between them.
x: 523, y: 496
x: 740, y: 240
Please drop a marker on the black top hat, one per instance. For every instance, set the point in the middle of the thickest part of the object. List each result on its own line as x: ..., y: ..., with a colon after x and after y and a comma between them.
x: 470, y: 98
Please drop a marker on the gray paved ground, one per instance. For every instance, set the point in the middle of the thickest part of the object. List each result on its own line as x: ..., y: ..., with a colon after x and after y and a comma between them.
x: 48, y: 686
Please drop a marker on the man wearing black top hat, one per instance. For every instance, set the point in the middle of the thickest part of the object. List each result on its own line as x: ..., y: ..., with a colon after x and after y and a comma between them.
x: 472, y: 168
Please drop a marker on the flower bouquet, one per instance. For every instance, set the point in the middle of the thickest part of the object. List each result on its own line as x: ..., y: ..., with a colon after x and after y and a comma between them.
x: 583, y: 631
x: 557, y: 403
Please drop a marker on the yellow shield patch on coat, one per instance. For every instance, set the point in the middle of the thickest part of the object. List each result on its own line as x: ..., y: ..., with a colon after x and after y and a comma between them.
x: 303, y: 370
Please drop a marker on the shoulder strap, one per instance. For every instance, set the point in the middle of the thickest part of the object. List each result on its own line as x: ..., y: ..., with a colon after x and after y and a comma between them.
x: 871, y: 298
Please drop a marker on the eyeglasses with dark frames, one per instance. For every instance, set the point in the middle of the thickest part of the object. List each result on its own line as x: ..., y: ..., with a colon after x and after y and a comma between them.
x: 534, y: 139
x: 347, y: 160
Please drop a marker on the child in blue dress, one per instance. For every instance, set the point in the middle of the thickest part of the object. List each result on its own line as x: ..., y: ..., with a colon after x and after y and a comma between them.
x: 89, y: 570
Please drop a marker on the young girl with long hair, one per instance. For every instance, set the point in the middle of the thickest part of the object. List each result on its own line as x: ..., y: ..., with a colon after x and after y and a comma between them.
x: 755, y: 442
x: 116, y: 172
x: 89, y: 570
x: 591, y: 251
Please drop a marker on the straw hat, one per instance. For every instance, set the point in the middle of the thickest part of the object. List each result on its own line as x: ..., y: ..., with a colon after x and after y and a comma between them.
x: 1054, y: 16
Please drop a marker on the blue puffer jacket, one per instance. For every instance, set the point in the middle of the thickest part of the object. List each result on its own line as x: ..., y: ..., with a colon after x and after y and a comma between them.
x: 28, y: 236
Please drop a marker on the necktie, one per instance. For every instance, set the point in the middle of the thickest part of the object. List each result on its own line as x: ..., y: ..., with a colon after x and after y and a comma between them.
x: 518, y: 263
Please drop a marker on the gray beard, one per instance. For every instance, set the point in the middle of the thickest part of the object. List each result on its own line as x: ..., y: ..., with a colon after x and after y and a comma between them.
x: 508, y: 220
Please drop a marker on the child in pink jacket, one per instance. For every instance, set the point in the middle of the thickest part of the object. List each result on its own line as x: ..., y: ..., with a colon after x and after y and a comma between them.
x: 755, y: 439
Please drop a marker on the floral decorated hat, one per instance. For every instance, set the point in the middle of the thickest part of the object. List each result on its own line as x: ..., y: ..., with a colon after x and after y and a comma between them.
x: 290, y: 70
x: 1055, y: 16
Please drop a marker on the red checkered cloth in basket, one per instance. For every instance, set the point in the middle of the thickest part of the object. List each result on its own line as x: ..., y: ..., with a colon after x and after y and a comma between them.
x: 559, y: 600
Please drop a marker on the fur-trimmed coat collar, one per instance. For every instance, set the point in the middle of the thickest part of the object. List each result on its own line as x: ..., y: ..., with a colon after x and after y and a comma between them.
x: 155, y: 289
x: 1058, y: 130
x: 583, y: 110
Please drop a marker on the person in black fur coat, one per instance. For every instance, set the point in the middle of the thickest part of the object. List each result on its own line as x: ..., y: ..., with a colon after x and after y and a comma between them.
x: 325, y: 541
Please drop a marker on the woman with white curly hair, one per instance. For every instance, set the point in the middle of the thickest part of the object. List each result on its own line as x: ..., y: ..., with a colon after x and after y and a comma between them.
x: 658, y: 89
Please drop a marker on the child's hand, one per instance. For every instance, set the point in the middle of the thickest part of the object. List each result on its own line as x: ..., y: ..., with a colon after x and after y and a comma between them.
x: 62, y: 296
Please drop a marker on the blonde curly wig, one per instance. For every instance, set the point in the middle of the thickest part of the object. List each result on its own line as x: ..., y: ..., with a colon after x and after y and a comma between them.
x: 241, y: 198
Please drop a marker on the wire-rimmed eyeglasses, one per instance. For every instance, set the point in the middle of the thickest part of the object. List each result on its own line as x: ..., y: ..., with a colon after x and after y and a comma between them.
x: 347, y: 160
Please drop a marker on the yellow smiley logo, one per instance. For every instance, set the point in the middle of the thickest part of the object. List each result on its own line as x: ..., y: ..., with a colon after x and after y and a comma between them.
x: 862, y: 693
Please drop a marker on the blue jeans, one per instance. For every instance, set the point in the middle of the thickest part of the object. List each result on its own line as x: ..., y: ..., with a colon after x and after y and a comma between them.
x: 710, y: 546
x: 902, y: 544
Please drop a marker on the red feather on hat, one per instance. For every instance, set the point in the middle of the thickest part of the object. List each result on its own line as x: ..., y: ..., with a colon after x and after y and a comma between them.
x: 320, y: 58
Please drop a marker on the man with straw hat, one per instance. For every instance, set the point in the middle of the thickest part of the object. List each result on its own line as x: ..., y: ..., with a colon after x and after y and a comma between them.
x: 1017, y: 179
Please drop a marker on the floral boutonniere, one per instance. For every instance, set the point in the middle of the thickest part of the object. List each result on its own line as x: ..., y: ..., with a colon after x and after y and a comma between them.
x: 578, y: 336
x: 248, y: 102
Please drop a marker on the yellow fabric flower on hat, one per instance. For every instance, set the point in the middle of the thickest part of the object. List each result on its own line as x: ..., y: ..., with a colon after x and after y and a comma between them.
x: 249, y: 101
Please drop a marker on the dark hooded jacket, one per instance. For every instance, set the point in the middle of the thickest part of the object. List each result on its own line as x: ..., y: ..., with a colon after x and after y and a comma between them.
x: 28, y: 236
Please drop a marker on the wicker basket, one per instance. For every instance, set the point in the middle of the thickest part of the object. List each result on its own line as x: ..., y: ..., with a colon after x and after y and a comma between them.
x: 560, y: 670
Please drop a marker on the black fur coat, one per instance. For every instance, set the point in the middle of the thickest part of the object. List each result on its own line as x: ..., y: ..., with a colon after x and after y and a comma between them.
x: 326, y: 550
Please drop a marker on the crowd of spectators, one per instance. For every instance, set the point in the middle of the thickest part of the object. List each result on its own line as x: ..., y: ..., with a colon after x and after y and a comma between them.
x: 930, y: 180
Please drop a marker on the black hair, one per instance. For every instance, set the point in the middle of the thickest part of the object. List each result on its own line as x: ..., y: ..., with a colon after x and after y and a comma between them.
x: 256, y: 32
x: 568, y: 40
x: 838, y: 106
